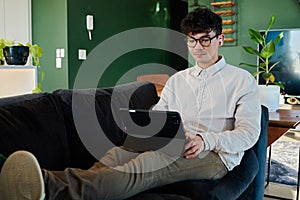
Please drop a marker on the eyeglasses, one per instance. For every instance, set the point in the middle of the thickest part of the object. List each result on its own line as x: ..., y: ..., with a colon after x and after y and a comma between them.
x: 204, y: 41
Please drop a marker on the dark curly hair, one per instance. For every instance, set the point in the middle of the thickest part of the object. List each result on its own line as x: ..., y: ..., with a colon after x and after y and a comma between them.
x: 201, y: 20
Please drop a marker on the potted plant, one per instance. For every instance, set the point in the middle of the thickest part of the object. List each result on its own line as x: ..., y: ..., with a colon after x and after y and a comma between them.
x: 9, y: 47
x: 270, y: 91
x: 17, y: 54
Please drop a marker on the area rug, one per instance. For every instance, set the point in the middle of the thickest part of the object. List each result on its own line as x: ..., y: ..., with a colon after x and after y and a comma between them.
x: 284, y: 162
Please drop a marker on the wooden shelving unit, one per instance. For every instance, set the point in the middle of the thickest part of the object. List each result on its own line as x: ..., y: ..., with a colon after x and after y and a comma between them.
x: 227, y: 10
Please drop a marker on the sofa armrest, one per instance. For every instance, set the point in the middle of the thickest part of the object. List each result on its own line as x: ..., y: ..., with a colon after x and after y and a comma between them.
x: 260, y: 150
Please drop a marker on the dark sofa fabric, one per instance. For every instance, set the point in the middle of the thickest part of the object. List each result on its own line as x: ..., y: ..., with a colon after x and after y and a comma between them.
x: 80, y: 156
x: 106, y: 102
x: 34, y: 123
x: 44, y: 125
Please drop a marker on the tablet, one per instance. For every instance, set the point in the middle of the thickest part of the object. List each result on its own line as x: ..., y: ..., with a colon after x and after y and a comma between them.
x: 151, y: 130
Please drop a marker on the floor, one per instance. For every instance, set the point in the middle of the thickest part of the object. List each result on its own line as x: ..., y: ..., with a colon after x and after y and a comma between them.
x: 281, y: 190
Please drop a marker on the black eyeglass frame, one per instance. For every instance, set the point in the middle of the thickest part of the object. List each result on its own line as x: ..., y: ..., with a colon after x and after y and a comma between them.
x: 200, y: 40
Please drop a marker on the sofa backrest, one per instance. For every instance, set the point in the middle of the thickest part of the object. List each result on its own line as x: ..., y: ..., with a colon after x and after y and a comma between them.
x: 82, y: 124
x: 35, y: 123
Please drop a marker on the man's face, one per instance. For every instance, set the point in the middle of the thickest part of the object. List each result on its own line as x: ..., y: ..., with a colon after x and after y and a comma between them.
x: 204, y: 55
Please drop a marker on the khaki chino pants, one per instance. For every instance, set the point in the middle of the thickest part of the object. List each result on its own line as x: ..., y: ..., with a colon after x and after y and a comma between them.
x: 121, y: 174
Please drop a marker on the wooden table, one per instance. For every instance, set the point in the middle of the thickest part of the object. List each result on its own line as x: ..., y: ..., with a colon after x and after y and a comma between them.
x: 285, y: 118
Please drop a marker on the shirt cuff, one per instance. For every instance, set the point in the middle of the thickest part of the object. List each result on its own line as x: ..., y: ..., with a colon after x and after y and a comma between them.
x: 204, y: 149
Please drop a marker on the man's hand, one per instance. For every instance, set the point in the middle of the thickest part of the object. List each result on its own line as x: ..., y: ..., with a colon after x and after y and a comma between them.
x: 194, y: 145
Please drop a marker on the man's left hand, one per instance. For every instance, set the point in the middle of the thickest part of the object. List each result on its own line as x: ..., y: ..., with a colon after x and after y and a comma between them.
x: 194, y: 146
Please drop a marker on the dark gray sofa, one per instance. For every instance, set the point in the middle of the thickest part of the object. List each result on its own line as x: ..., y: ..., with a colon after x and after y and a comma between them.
x: 43, y: 124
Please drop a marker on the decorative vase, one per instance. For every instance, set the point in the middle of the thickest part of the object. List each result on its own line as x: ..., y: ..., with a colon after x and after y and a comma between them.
x: 270, y: 96
x: 16, y: 55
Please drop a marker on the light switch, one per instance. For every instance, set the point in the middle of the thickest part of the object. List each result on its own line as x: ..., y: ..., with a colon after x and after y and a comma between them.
x: 58, y: 63
x: 57, y: 53
x: 81, y: 54
x: 62, y: 53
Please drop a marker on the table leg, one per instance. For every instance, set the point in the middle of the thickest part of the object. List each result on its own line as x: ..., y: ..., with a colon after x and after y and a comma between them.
x: 298, y: 176
x: 269, y: 166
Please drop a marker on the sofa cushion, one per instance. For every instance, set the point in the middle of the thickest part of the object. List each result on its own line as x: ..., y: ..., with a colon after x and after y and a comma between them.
x: 138, y: 95
x: 89, y: 99
x: 105, y: 102
x: 35, y: 123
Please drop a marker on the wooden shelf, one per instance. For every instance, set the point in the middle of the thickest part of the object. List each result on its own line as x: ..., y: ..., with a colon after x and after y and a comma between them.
x: 229, y: 39
x: 227, y: 11
x: 228, y: 22
x: 223, y: 4
x: 228, y: 30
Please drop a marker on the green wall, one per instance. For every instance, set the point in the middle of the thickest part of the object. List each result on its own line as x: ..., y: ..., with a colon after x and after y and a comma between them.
x: 111, y: 18
x: 256, y: 14
x: 61, y: 24
x: 49, y: 19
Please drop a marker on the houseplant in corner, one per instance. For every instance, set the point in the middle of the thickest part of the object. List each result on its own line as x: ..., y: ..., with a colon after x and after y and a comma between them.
x: 270, y: 91
x: 17, y: 54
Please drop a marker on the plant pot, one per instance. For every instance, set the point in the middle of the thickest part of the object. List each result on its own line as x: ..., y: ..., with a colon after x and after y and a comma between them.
x: 269, y: 96
x: 16, y: 55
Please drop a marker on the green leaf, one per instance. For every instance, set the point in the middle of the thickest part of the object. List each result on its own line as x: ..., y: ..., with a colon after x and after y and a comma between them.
x: 278, y: 38
x: 280, y: 85
x: 271, y: 22
x: 268, y: 50
x: 251, y: 50
x: 9, y: 42
x: 274, y: 65
x: 266, y: 75
x: 255, y: 36
x: 257, y: 73
x: 36, y: 90
x: 262, y: 67
x: 250, y: 65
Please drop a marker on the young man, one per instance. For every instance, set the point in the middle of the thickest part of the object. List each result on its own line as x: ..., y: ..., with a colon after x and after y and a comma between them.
x: 220, y: 108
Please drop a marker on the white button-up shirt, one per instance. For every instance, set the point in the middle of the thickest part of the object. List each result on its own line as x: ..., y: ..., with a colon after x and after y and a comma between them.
x: 221, y: 103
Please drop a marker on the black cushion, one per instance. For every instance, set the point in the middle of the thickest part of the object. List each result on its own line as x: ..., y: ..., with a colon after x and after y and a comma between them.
x: 105, y: 102
x: 140, y: 95
x: 86, y: 100
x: 34, y: 123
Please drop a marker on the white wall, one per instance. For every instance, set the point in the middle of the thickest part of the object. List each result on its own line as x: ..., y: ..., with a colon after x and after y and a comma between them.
x: 15, y: 20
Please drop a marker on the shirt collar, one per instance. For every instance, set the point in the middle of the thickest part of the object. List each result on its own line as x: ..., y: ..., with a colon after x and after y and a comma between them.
x: 210, y: 70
